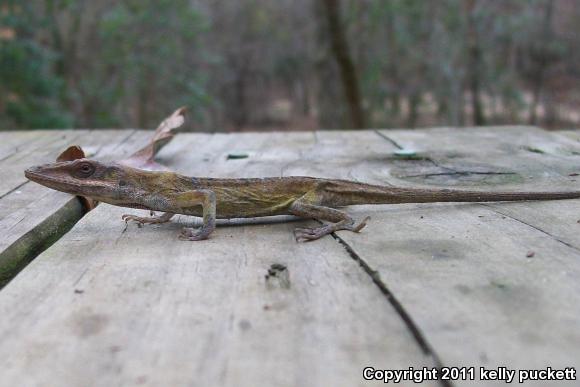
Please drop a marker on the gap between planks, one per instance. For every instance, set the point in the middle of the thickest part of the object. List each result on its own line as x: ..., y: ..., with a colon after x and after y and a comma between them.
x: 416, y: 332
x: 231, y: 169
x: 375, y: 277
x: 494, y: 209
x: 15, y: 257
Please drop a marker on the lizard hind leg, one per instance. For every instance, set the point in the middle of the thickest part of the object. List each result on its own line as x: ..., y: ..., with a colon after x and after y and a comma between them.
x: 337, y: 220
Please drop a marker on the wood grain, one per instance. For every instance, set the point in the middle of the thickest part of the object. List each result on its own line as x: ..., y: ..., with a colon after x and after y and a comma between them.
x: 32, y: 217
x: 116, y: 305
x: 487, y: 285
x: 449, y: 284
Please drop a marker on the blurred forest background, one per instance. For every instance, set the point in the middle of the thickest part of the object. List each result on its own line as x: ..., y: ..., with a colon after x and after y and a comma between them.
x: 289, y: 64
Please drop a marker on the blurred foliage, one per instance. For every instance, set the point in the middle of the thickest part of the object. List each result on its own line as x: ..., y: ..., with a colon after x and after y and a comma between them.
x: 156, y: 65
x: 258, y: 64
x: 30, y: 90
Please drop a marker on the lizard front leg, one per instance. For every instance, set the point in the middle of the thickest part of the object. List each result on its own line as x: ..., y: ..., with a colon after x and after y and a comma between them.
x: 204, y: 198
x: 164, y: 218
x: 338, y: 221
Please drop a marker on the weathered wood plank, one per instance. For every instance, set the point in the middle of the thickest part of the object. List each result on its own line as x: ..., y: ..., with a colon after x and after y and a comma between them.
x: 38, y: 150
x: 32, y: 217
x: 513, y: 157
x: 462, y: 271
x: 554, y: 165
x: 495, y: 306
x: 12, y: 143
x: 130, y: 306
x: 571, y: 134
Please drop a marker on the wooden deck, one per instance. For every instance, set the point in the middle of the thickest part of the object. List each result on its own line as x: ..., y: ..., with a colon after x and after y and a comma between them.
x: 426, y: 285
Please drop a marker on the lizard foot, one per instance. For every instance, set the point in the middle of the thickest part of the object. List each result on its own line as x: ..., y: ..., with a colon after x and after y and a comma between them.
x: 140, y: 220
x: 192, y: 234
x: 359, y: 226
x: 311, y: 234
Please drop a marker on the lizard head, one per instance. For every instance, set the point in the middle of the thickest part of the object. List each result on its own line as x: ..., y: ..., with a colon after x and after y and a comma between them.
x: 83, y: 177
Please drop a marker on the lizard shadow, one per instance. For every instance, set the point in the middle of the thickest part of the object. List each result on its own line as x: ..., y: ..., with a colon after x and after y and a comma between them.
x: 189, y: 221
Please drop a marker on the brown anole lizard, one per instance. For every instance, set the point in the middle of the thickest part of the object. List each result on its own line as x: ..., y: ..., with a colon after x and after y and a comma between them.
x: 305, y: 197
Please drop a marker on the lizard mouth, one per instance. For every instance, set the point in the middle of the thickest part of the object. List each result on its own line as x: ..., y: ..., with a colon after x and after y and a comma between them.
x: 58, y: 183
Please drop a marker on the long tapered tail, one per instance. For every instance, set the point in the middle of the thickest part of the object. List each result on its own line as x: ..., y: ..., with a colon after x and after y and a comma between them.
x: 349, y: 193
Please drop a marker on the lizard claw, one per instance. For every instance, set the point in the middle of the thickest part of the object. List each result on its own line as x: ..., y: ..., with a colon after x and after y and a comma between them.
x: 299, y: 230
x: 361, y: 225
x: 191, y: 234
x: 141, y: 221
x: 309, y: 234
x: 133, y: 218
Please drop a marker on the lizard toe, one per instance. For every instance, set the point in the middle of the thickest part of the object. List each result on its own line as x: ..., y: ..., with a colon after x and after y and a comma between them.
x: 304, y: 230
x: 191, y: 234
x: 307, y: 238
x: 128, y: 218
x: 361, y: 225
x: 306, y: 235
x: 192, y: 237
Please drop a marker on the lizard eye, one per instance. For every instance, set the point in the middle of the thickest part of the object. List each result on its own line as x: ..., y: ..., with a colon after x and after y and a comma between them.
x: 85, y: 170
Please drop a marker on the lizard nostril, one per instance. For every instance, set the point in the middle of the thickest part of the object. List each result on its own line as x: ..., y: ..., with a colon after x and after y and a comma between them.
x: 32, y: 170
x: 28, y: 172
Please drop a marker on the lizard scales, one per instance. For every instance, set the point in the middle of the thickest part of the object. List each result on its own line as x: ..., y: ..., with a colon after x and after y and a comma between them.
x: 213, y: 198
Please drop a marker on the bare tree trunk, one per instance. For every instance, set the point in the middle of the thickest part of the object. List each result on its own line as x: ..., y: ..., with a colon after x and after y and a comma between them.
x: 474, y: 60
x: 542, y: 61
x: 143, y: 104
x: 302, y: 97
x: 65, y: 42
x: 414, y: 101
x: 457, y: 105
x: 344, y: 60
x: 240, y: 118
x: 393, y: 67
